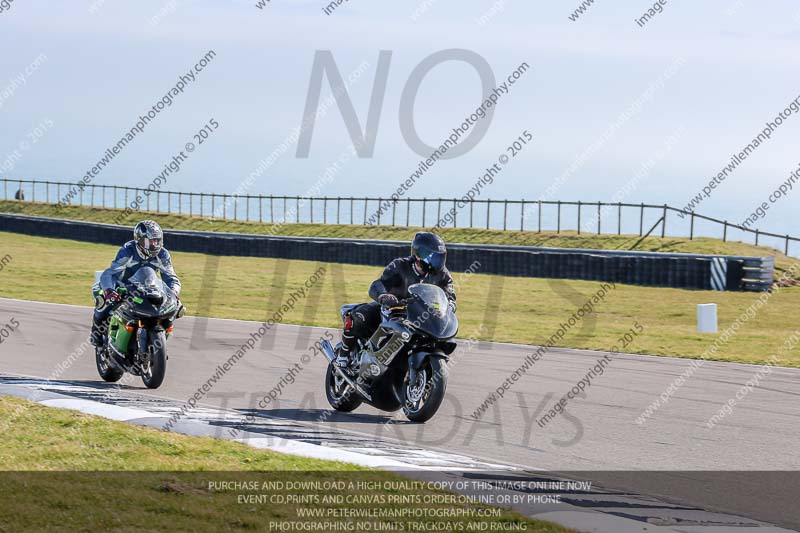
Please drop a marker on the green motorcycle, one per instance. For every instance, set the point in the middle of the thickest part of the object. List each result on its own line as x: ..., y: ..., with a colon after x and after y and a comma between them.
x: 139, y: 326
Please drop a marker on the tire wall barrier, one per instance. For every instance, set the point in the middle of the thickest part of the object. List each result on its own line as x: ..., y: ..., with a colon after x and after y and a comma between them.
x: 685, y: 271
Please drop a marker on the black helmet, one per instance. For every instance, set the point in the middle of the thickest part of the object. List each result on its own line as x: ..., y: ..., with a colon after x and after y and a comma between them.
x: 430, y: 249
x: 149, y: 238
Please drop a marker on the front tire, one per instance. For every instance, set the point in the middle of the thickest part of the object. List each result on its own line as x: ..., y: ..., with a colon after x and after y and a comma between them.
x: 108, y: 372
x: 423, y: 398
x: 155, y: 367
x: 340, y: 395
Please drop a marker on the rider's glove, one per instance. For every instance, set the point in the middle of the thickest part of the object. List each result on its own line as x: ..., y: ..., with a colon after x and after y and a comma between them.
x: 111, y: 295
x: 388, y: 300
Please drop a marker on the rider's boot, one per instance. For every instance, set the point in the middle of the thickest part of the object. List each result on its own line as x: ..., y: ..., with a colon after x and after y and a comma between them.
x: 344, y: 351
x: 99, y: 328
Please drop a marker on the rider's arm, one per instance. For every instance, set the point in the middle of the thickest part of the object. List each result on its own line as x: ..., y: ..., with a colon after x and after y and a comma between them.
x: 111, y: 275
x: 390, y: 279
x: 448, y: 285
x: 168, y: 274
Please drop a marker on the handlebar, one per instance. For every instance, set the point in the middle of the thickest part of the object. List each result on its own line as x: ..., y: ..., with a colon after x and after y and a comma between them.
x: 402, y: 304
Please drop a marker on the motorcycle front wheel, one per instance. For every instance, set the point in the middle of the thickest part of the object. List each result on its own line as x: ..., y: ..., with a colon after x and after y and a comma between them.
x: 104, y: 368
x: 154, y: 366
x: 340, y: 395
x: 423, y: 398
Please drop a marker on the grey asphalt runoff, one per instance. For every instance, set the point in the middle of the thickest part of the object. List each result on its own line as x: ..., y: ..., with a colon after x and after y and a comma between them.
x: 673, y: 455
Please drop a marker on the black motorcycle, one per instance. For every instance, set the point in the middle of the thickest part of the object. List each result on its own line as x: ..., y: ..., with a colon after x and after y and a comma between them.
x: 404, y: 363
x: 140, y: 324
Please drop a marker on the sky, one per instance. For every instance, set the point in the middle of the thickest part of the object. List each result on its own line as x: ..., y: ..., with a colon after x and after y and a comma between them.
x: 595, y: 98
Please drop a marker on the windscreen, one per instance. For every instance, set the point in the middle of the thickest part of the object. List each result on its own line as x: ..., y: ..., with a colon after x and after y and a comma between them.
x: 145, y: 279
x: 433, y: 297
x: 430, y: 312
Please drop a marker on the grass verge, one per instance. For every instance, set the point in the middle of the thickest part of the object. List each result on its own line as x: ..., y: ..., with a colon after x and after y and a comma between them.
x: 76, y: 472
x: 492, y: 308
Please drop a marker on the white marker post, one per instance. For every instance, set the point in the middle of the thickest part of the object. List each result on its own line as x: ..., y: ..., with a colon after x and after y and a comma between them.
x: 706, y: 318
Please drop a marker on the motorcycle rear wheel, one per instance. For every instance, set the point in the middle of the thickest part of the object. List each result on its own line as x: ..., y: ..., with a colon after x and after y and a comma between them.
x: 423, y: 398
x: 154, y: 370
x: 340, y: 396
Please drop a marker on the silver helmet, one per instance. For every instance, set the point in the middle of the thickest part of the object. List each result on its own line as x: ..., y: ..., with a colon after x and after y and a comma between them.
x: 149, y: 238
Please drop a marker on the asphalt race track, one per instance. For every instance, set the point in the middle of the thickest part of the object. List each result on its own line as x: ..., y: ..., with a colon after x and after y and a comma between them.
x: 598, y: 433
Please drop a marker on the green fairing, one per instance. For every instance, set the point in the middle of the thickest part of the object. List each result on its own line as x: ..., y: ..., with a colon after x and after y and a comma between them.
x: 119, y: 336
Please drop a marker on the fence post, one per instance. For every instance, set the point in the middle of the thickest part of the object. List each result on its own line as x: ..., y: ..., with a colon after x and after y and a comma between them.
x: 366, y: 205
x: 311, y: 203
x: 297, y: 213
x: 558, y: 221
x: 522, y: 216
x: 471, y: 206
x: 579, y: 217
x: 424, y: 207
x: 505, y: 215
x: 786, y: 249
x: 47, y: 189
x: 598, y: 218
x: 380, y: 208
x: 540, y: 216
x: 455, y: 212
x: 408, y: 212
x: 338, y: 208
x: 664, y: 224
x: 394, y: 211
x: 756, y: 236
x: 725, y: 231
x: 641, y: 221
x: 619, y: 218
x: 352, y: 206
x: 271, y: 211
x: 115, y: 196
x: 224, y: 207
x: 691, y: 226
x: 439, y: 211
x: 488, y: 212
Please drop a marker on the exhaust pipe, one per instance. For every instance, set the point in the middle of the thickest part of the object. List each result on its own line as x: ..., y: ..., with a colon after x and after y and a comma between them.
x: 330, y: 355
x: 327, y: 350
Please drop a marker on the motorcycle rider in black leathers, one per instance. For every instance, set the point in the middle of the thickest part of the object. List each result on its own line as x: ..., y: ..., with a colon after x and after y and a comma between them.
x: 425, y: 265
x: 146, y: 248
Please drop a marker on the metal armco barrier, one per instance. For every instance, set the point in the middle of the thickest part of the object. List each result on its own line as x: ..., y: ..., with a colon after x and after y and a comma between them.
x: 685, y: 271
